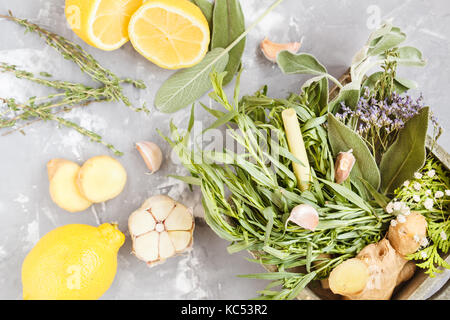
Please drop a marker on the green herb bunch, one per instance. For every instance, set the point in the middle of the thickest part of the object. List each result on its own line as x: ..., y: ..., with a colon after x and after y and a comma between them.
x: 69, y: 95
x: 429, y: 194
x: 248, y: 196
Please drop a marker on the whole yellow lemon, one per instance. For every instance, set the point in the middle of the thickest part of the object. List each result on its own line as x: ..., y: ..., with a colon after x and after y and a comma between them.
x: 72, y: 262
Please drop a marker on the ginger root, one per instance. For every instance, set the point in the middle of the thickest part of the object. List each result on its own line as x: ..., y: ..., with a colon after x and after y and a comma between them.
x: 384, y: 262
x: 62, y: 175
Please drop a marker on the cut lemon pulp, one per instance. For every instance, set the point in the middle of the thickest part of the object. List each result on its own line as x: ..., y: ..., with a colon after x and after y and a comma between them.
x: 101, y: 23
x: 171, y: 33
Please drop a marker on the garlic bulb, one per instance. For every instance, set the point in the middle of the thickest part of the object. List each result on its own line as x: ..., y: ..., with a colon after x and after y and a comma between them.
x: 305, y: 216
x: 160, y: 229
x: 151, y: 154
x: 271, y: 49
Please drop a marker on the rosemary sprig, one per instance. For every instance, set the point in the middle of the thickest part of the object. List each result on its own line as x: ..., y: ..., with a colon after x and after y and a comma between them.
x: 69, y: 94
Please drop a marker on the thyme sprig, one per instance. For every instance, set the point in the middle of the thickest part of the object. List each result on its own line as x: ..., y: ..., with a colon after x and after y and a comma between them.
x: 69, y: 94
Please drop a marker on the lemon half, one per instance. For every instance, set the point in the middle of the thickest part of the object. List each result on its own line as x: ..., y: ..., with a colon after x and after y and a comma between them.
x: 171, y: 33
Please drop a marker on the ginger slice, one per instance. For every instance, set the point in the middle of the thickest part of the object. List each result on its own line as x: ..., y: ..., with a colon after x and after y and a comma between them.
x: 350, y: 277
x: 160, y: 229
x: 101, y: 178
x: 63, y: 189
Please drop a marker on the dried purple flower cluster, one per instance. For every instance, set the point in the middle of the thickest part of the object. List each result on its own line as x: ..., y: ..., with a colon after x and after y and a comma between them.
x: 389, y: 115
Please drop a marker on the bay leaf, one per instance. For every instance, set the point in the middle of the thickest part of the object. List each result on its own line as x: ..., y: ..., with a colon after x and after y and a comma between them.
x: 302, y: 63
x: 187, y: 85
x: 407, y: 154
x: 342, y: 139
x: 228, y: 24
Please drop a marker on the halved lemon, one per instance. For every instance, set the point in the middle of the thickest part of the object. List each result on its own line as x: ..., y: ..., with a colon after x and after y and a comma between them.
x: 171, y: 33
x: 101, y: 23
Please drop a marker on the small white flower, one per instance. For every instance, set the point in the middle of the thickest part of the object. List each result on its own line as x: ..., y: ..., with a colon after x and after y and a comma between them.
x: 416, y: 198
x: 447, y: 193
x: 393, y: 223
x: 443, y: 235
x: 390, y: 207
x: 417, y: 186
x: 401, y: 218
x: 417, y: 175
x: 423, y: 255
x: 431, y: 173
x: 416, y: 238
x: 438, y: 194
x: 397, y: 206
x: 406, y: 183
x: 428, y: 204
x: 424, y: 242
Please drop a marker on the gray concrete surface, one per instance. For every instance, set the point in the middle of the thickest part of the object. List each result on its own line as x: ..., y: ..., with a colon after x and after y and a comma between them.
x: 332, y: 30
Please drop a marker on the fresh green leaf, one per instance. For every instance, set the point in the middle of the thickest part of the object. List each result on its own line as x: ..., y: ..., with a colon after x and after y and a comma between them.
x: 410, y: 56
x: 207, y: 8
x: 400, y: 85
x: 348, y: 194
x: 387, y: 41
x: 407, y: 154
x: 187, y: 179
x: 301, y: 285
x: 342, y: 139
x: 379, y: 198
x: 228, y: 25
x: 186, y: 86
x: 303, y: 63
x: 349, y: 95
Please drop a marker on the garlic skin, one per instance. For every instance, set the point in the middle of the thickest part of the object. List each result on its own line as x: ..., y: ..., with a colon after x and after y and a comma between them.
x: 160, y: 229
x: 343, y: 166
x: 151, y: 154
x: 271, y: 49
x: 305, y: 216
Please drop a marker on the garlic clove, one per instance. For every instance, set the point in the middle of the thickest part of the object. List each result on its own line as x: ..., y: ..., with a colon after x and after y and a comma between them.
x: 160, y: 206
x: 305, y: 216
x: 180, y: 218
x: 140, y: 222
x: 343, y: 166
x: 166, y: 248
x: 145, y: 247
x: 151, y: 154
x: 181, y: 240
x: 271, y: 49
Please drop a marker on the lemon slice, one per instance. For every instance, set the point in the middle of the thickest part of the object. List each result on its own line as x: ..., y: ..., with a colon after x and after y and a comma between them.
x: 101, y: 23
x: 171, y: 33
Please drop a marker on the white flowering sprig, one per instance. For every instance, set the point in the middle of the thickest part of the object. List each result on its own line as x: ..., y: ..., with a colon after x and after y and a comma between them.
x: 429, y: 194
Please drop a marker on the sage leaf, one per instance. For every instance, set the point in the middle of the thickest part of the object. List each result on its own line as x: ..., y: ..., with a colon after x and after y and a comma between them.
x: 303, y: 63
x: 207, y: 9
x: 407, y: 154
x: 228, y: 24
x: 401, y: 85
x: 186, y: 86
x: 410, y: 56
x: 342, y: 139
x: 349, y: 95
x: 387, y: 41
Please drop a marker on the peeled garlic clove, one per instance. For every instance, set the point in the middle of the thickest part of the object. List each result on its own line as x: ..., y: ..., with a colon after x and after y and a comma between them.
x: 343, y: 166
x: 151, y: 154
x: 160, y: 229
x: 271, y: 49
x: 305, y: 216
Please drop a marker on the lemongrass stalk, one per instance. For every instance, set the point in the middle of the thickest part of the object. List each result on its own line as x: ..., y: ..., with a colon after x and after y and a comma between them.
x: 297, y: 148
